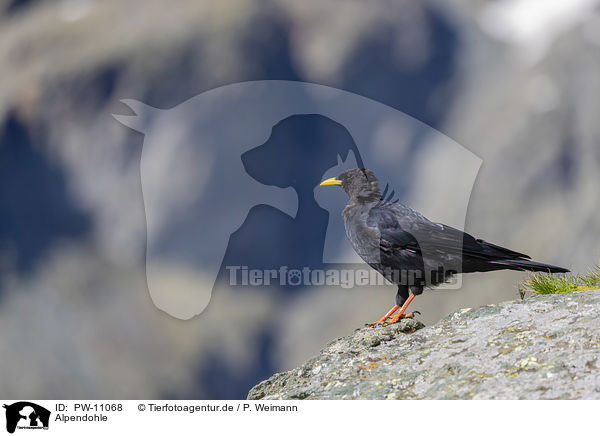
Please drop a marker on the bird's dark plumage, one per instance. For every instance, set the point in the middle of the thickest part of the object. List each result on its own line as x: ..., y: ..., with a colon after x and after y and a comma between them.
x: 410, y: 250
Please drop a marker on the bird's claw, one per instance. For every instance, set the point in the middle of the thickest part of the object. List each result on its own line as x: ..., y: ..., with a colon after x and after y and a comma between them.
x: 375, y: 324
x: 394, y: 320
x: 383, y: 322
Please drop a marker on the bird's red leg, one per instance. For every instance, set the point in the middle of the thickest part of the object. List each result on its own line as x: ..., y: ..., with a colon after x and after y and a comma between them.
x: 400, y: 314
x: 386, y: 316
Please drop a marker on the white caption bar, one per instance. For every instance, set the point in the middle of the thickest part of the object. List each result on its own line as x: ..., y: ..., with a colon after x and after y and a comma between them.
x: 23, y: 417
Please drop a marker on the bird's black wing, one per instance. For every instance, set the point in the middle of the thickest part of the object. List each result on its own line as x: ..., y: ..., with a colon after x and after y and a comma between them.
x: 403, y: 229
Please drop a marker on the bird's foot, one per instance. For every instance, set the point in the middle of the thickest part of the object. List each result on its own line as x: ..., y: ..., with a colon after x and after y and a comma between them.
x: 397, y: 318
x: 384, y: 317
x: 375, y: 324
x: 401, y: 313
x: 384, y: 323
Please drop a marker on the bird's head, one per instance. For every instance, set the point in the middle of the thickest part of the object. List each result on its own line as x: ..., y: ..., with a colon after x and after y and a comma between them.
x: 358, y: 183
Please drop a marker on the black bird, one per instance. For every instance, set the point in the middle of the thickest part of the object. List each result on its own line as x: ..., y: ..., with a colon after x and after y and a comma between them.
x: 411, y: 251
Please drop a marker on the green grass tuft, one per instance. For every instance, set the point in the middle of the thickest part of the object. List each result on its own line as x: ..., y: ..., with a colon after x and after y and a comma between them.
x: 591, y: 278
x: 540, y: 283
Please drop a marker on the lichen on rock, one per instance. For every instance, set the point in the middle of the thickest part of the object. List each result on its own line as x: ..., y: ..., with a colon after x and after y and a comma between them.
x: 546, y: 346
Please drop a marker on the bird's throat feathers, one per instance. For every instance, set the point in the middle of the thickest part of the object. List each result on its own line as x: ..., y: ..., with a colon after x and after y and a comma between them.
x: 364, y: 190
x: 368, y: 194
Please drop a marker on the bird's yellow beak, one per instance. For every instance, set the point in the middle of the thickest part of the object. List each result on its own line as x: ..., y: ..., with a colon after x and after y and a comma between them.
x: 332, y: 181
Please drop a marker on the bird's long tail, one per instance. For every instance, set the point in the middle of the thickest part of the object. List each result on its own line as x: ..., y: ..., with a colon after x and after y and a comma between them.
x: 530, y: 265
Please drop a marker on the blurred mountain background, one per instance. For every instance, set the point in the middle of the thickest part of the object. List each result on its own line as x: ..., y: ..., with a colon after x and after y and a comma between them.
x: 517, y: 82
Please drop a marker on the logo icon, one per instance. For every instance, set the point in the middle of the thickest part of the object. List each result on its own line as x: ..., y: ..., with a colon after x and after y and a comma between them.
x: 26, y: 415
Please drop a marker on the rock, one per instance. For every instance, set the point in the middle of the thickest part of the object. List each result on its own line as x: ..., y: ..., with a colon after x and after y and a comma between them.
x: 543, y: 347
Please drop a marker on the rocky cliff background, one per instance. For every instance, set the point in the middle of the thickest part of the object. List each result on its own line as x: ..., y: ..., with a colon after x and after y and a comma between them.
x: 515, y: 82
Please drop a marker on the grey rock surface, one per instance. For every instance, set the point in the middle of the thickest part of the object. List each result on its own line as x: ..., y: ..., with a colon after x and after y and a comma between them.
x: 544, y: 347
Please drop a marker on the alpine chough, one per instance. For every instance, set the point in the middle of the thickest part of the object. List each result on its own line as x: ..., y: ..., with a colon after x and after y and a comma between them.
x: 410, y: 250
